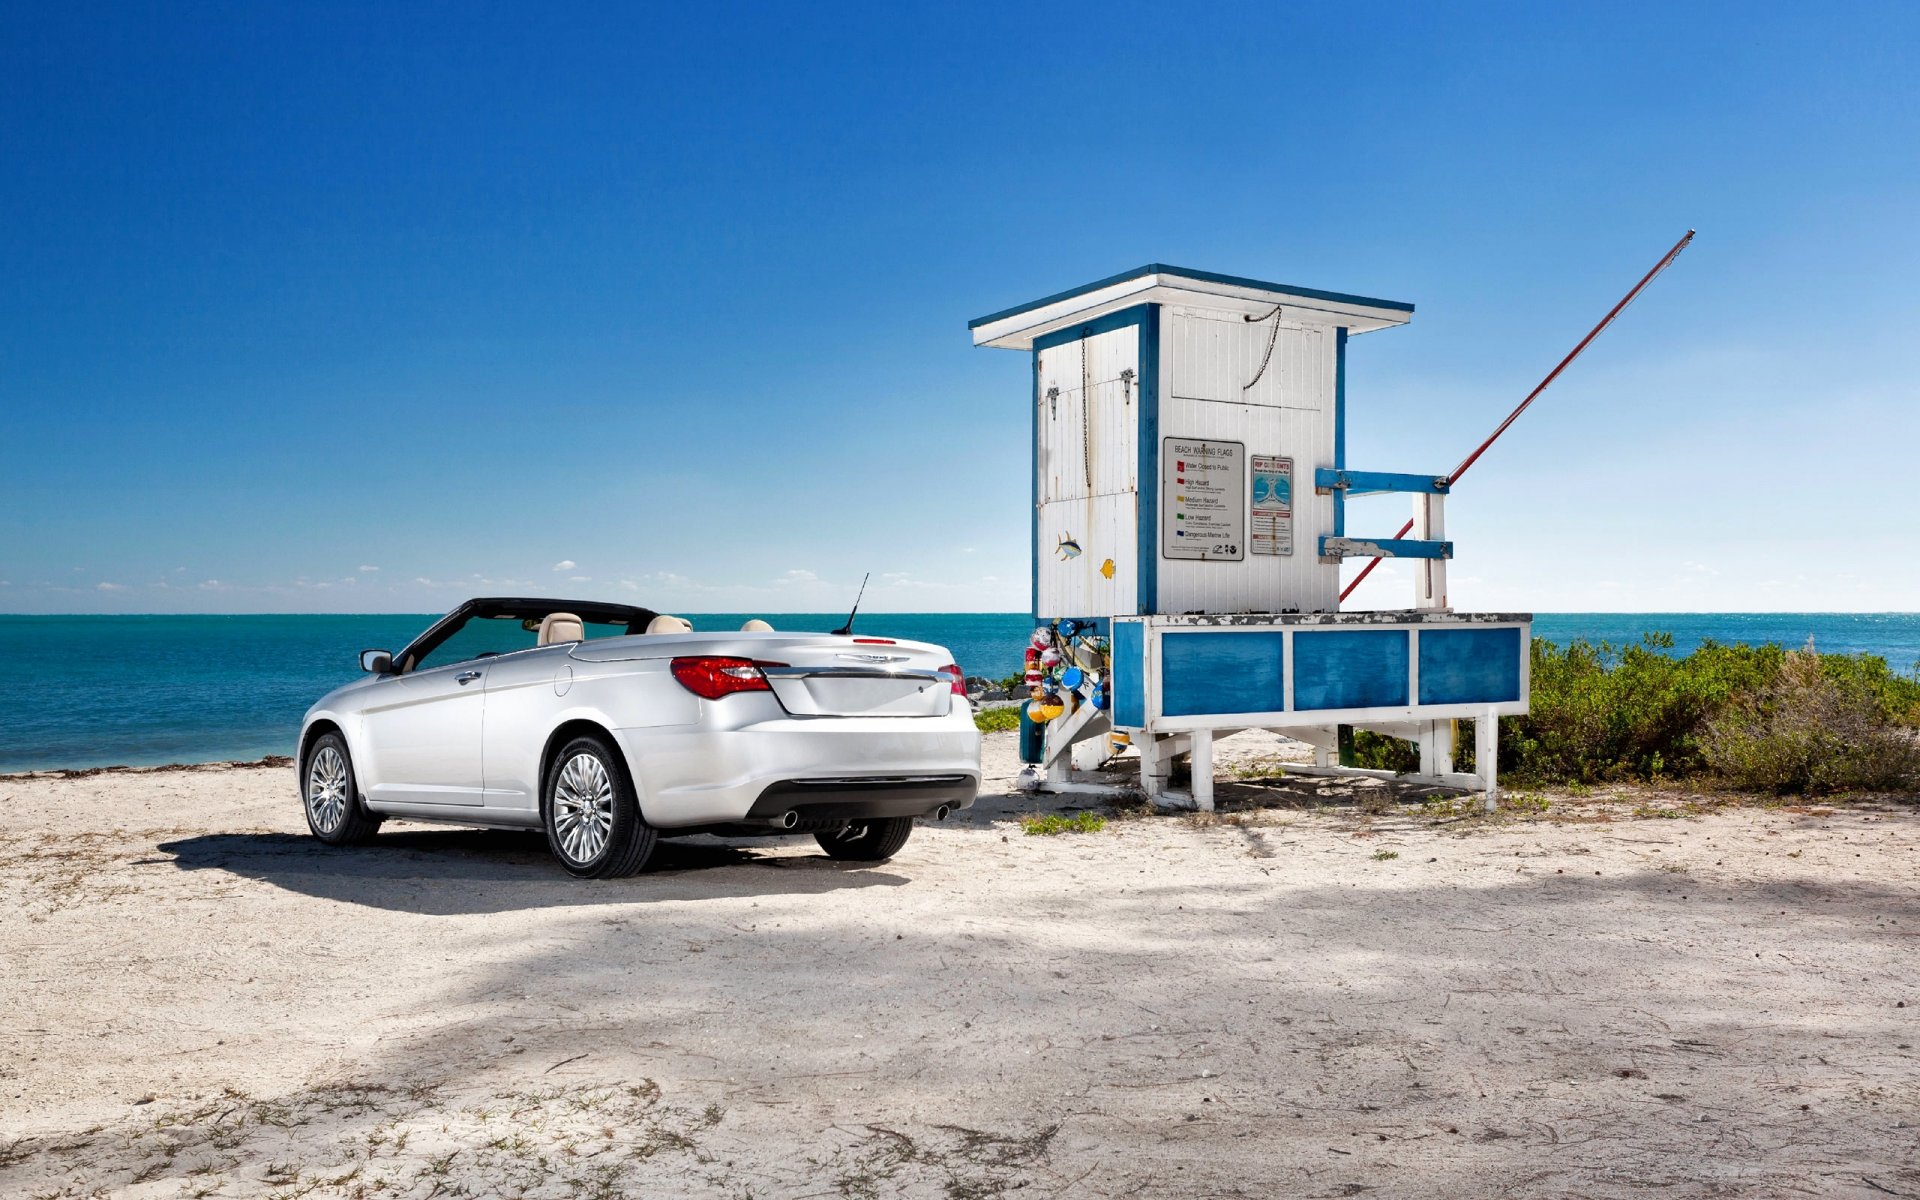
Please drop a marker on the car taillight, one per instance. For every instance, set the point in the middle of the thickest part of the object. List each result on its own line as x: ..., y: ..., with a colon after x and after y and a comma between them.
x: 959, y: 679
x: 711, y: 678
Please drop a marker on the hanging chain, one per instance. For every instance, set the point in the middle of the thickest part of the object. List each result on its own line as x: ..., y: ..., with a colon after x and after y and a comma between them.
x: 1272, y: 337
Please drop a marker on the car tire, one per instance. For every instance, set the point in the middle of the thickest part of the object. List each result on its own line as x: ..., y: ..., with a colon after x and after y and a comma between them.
x: 330, y: 794
x: 867, y: 841
x: 592, y: 818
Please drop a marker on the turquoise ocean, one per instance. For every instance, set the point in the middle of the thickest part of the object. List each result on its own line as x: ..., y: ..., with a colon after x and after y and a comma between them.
x: 88, y: 691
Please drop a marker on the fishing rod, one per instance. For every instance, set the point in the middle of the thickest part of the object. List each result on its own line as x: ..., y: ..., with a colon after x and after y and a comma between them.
x: 1665, y: 262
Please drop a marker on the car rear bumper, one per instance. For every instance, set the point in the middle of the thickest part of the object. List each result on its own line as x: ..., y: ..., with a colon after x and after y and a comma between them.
x: 824, y: 801
x: 823, y: 768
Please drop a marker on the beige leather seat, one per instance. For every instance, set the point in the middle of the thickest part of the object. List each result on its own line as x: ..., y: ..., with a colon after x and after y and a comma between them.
x: 666, y: 624
x: 561, y: 627
x: 756, y: 626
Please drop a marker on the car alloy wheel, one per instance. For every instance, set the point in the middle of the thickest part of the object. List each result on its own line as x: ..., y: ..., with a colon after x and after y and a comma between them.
x: 583, y: 808
x: 327, y: 790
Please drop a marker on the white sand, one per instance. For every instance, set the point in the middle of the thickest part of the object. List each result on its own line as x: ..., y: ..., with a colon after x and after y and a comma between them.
x: 200, y: 1000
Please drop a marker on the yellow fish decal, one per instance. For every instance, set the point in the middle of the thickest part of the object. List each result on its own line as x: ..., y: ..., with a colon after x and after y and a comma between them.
x: 1106, y: 568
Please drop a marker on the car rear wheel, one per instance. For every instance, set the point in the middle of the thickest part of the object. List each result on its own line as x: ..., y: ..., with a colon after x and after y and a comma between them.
x: 593, y: 821
x: 867, y: 841
x: 331, y: 794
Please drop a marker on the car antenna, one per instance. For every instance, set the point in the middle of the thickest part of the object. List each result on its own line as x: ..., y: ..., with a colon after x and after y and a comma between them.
x: 848, y: 627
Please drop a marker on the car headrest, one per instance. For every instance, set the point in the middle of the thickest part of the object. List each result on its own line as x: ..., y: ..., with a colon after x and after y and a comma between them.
x: 561, y: 627
x: 756, y: 626
x: 666, y: 624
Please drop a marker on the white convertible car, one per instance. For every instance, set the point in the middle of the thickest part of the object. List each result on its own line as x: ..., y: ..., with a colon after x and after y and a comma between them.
x: 611, y: 726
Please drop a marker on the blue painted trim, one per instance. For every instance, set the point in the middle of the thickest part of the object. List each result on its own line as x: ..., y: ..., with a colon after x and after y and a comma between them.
x: 1033, y: 513
x: 1147, y: 318
x: 1106, y: 324
x: 1388, y: 548
x: 1356, y: 483
x: 1189, y: 273
x: 1340, y: 426
x: 1147, y: 477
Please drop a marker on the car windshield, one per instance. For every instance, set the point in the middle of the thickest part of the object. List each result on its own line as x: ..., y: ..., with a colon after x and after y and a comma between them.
x: 484, y: 637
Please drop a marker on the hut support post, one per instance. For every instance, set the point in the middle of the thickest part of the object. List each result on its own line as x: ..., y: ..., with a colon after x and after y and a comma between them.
x: 1200, y: 763
x: 1486, y: 753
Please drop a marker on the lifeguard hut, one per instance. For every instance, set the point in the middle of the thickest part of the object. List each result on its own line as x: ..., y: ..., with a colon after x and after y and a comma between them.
x: 1190, y: 488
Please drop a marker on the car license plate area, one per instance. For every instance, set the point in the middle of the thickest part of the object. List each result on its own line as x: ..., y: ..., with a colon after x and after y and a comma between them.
x: 828, y: 696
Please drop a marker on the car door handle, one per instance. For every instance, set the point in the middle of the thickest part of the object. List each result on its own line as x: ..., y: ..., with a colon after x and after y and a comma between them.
x: 466, y: 677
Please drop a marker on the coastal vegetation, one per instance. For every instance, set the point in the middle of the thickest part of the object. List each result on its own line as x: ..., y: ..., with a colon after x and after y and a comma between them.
x: 1053, y: 824
x: 1759, y: 718
x: 1004, y: 719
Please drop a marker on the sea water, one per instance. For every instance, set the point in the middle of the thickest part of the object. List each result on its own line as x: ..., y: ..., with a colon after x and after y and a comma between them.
x: 86, y: 691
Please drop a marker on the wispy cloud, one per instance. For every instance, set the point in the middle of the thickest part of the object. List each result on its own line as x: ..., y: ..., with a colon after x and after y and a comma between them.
x: 111, y: 587
x: 365, y: 570
x: 565, y: 564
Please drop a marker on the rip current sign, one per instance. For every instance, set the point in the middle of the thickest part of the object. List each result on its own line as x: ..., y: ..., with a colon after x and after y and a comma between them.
x: 1203, y: 499
x: 1271, y: 529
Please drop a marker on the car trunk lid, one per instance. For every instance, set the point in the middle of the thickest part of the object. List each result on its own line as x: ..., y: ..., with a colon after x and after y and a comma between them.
x: 828, y: 676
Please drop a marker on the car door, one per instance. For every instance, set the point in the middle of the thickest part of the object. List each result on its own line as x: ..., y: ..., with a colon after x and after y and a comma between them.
x: 423, y: 733
x: 526, y: 692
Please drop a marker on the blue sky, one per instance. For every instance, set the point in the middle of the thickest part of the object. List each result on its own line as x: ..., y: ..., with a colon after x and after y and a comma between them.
x: 330, y: 307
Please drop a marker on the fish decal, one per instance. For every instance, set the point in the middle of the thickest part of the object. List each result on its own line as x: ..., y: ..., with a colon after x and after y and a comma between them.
x: 1068, y: 548
x: 1106, y: 568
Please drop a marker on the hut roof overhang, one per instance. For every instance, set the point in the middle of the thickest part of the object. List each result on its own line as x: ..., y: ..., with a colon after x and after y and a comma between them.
x: 1156, y: 283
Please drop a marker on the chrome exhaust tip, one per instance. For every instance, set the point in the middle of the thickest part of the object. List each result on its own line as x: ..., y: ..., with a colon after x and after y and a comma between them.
x: 788, y: 819
x: 940, y: 814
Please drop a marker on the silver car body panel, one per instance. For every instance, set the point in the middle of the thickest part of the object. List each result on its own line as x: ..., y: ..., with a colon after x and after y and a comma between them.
x: 465, y: 742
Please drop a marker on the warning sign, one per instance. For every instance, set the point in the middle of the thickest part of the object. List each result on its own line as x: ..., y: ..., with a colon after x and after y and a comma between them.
x: 1271, y: 529
x: 1203, y: 490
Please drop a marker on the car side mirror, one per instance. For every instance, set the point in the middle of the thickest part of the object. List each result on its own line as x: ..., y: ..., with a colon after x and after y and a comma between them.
x: 380, y: 662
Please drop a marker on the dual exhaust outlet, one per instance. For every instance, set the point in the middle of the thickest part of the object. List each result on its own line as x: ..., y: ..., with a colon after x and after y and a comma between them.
x: 791, y: 818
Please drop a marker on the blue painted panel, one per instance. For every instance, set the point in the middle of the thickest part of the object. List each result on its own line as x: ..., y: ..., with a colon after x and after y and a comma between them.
x: 1469, y: 666
x: 1128, y: 685
x: 1358, y: 482
x: 1204, y: 673
x: 1351, y: 668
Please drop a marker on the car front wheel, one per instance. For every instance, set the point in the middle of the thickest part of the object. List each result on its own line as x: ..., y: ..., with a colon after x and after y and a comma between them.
x: 593, y: 820
x: 867, y: 841
x: 332, y: 794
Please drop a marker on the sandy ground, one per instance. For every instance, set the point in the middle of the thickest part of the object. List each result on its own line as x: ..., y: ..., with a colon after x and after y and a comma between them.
x: 1325, y: 991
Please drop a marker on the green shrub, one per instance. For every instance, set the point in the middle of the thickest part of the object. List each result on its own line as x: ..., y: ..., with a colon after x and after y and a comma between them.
x: 1599, y: 713
x: 997, y: 720
x: 1050, y: 824
x: 1820, y: 725
x: 1602, y: 714
x: 1379, y: 752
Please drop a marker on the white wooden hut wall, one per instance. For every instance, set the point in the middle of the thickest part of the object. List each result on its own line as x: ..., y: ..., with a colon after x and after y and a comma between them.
x: 1209, y: 356
x: 1088, y: 399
